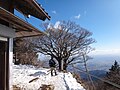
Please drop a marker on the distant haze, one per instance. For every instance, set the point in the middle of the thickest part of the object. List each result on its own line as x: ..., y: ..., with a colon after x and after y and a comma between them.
x: 103, y: 59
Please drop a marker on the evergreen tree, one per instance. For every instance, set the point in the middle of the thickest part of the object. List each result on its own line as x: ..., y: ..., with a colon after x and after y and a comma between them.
x: 113, y: 75
x: 114, y: 70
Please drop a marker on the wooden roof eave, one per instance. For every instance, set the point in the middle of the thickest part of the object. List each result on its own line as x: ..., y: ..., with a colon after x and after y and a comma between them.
x: 26, y: 28
x: 40, y: 8
x: 36, y: 8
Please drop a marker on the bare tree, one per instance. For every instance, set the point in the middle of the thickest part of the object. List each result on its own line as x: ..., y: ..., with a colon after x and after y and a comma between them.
x: 23, y: 51
x: 64, y: 42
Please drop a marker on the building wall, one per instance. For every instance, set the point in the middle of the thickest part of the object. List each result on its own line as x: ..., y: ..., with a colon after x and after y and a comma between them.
x: 6, y: 31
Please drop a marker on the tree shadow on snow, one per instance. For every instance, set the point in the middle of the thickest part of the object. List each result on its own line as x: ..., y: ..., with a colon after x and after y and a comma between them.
x: 38, y: 74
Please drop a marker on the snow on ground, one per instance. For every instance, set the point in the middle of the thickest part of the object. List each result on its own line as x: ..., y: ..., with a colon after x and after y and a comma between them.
x: 23, y: 74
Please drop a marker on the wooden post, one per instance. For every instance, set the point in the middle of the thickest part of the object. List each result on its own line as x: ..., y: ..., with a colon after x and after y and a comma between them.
x: 10, y: 62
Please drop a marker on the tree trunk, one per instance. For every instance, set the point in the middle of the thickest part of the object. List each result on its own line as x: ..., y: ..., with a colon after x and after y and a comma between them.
x: 65, y: 67
x: 59, y: 63
x: 61, y: 66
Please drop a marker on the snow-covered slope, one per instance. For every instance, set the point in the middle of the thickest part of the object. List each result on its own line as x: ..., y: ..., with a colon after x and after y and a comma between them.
x: 31, y: 78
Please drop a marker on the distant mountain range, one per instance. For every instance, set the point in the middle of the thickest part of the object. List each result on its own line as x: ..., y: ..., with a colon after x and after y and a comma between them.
x: 99, y: 65
x: 102, y: 62
x: 98, y: 73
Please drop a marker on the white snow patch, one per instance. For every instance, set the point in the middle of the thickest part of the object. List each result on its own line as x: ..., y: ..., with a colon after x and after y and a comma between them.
x: 22, y: 74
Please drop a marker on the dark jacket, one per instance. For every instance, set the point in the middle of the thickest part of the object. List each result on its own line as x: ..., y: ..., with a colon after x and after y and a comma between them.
x: 52, y: 63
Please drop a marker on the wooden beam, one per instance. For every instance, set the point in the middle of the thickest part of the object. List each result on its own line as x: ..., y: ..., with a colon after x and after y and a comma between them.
x: 38, y: 8
x: 14, y: 18
x: 24, y: 28
x: 30, y: 36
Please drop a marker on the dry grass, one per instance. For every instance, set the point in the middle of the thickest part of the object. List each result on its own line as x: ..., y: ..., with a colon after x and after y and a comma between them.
x: 15, y: 87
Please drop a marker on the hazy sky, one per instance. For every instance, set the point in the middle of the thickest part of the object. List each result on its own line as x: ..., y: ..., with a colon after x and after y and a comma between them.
x: 102, y: 17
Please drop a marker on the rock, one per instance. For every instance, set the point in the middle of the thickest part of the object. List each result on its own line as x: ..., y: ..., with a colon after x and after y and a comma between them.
x: 46, y: 87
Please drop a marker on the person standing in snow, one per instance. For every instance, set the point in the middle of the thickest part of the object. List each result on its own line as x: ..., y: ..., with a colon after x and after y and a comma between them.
x: 52, y: 65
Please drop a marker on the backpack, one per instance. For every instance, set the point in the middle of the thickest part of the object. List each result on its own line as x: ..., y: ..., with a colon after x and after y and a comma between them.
x: 52, y: 63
